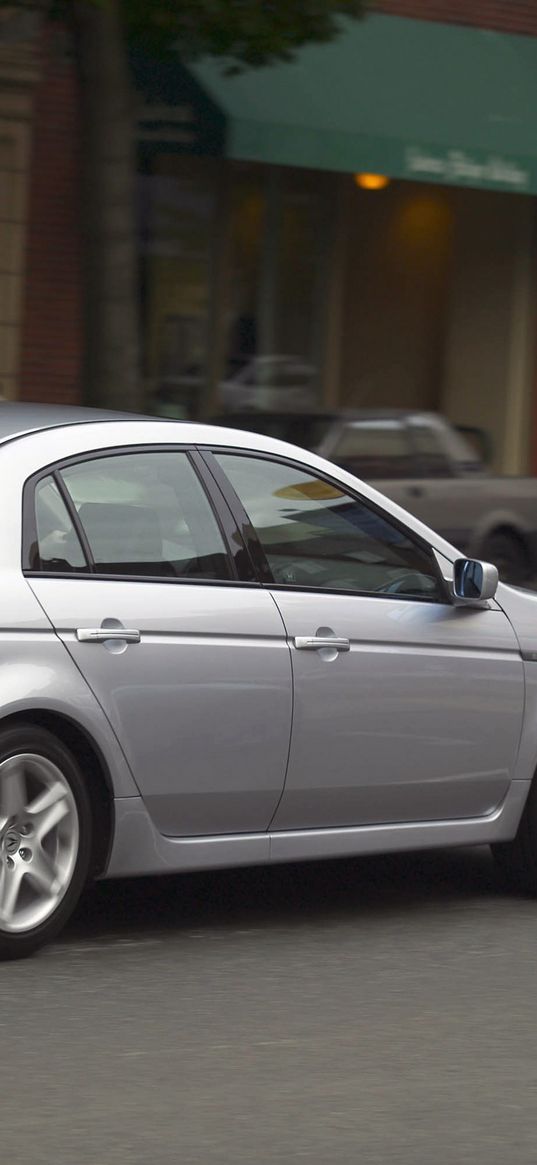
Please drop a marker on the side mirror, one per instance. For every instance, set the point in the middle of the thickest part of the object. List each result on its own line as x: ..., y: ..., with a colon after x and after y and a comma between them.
x: 474, y: 582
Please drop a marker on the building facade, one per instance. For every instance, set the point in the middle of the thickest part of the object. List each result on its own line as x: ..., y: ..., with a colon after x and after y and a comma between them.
x: 19, y: 66
x: 356, y: 229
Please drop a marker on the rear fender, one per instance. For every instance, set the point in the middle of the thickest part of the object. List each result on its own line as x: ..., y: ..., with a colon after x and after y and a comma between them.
x: 38, y: 674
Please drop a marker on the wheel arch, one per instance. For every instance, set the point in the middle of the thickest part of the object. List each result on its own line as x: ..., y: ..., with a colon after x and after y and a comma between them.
x: 93, y: 766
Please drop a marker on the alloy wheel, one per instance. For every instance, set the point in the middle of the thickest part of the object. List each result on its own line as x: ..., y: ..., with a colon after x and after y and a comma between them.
x: 39, y: 839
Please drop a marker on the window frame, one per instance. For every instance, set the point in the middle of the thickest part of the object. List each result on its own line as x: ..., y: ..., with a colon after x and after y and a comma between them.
x: 30, y: 533
x: 242, y: 568
x: 266, y: 577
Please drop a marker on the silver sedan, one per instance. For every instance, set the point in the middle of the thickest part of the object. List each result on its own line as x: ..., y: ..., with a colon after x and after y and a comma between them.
x: 217, y: 649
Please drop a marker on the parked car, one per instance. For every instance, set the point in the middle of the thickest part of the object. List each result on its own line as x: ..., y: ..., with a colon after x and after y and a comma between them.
x: 270, y: 382
x: 218, y: 649
x: 432, y: 468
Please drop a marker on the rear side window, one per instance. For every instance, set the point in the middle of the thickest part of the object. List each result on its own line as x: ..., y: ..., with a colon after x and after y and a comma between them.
x: 137, y: 514
x: 57, y: 547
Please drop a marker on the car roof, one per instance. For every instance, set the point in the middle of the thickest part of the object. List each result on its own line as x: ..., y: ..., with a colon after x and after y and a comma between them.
x: 18, y: 418
x: 40, y: 426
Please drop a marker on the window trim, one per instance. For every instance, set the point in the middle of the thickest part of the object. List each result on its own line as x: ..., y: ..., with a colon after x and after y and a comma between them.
x: 75, y: 521
x: 272, y: 584
x: 237, y: 555
x: 231, y: 528
x: 30, y: 536
x: 240, y: 517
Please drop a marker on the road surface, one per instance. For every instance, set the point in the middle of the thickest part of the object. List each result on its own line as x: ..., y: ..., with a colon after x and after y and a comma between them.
x: 359, y: 1013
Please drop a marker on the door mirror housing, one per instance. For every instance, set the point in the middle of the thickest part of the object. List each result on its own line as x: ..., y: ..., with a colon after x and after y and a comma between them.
x: 473, y: 581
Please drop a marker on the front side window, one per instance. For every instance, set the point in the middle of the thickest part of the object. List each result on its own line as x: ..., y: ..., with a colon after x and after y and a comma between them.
x: 138, y: 514
x: 316, y: 535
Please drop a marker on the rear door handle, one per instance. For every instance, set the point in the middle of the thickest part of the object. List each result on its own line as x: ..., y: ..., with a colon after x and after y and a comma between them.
x: 104, y: 634
x: 316, y: 642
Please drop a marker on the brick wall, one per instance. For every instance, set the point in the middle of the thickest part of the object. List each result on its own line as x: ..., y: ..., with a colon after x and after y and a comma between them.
x: 18, y: 72
x: 516, y: 16
x: 51, y: 347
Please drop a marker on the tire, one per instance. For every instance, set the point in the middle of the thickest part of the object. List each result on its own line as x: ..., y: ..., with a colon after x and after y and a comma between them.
x: 45, y: 838
x: 517, y: 860
x: 506, y: 550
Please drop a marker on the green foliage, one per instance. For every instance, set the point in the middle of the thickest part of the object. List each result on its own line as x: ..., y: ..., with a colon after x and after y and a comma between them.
x: 245, y: 32
x: 248, y: 32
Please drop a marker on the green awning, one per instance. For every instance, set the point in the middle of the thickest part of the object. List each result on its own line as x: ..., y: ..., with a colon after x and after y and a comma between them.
x: 411, y: 99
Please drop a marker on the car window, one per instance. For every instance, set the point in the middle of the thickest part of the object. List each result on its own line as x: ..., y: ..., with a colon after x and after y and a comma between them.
x: 145, y: 514
x: 468, y: 446
x: 375, y: 450
x: 433, y: 459
x: 316, y: 535
x: 58, y: 547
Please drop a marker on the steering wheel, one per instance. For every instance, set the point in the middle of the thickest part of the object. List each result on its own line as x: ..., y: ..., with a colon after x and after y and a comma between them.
x: 406, y: 583
x: 291, y: 573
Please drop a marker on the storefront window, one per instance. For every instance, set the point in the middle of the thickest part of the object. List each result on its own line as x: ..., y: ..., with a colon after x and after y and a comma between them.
x: 278, y: 223
x: 233, y: 259
x: 178, y: 206
x: 246, y: 226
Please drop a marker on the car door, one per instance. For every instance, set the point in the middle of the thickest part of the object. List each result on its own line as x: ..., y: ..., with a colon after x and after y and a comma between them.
x: 406, y: 707
x: 188, y: 660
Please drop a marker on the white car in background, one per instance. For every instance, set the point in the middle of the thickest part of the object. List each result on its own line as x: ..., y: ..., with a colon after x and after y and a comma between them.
x: 432, y: 468
x: 270, y: 382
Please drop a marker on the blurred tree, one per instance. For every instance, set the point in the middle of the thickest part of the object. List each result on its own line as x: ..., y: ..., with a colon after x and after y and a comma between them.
x: 244, y: 33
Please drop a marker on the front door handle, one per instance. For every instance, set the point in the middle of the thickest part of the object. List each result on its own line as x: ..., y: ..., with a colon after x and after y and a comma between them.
x: 103, y: 634
x: 316, y: 642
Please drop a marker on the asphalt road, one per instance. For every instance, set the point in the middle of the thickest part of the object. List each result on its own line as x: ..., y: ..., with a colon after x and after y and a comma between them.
x: 359, y: 1013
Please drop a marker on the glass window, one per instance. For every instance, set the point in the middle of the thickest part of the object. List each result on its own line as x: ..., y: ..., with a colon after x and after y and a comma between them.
x: 432, y: 456
x: 316, y: 535
x: 279, y: 232
x: 58, y: 547
x: 282, y: 373
x: 177, y: 215
x: 469, y: 446
x: 147, y: 514
x: 246, y: 221
x: 374, y: 450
